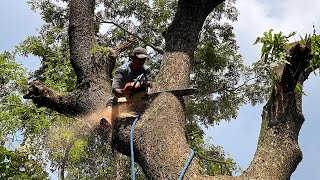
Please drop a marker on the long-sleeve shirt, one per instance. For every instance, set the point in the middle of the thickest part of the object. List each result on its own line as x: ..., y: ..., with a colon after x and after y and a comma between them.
x: 125, y: 74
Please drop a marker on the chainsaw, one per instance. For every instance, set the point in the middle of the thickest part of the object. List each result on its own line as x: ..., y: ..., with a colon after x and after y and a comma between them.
x: 138, y: 90
x: 135, y: 91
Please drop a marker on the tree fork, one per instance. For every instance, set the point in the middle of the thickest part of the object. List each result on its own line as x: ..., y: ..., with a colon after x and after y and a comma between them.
x: 160, y: 143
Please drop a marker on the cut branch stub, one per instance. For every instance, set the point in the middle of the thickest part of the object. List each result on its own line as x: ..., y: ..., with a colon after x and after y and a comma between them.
x: 39, y: 93
x: 87, y: 98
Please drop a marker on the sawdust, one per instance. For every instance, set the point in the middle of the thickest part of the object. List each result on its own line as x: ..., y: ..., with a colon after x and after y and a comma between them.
x: 84, y: 126
x: 120, y: 111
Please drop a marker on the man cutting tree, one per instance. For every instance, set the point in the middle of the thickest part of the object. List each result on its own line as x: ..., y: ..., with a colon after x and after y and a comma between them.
x: 125, y: 80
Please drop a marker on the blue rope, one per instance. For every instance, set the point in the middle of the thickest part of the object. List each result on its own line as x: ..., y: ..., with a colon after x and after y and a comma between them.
x: 132, y: 153
x: 131, y: 147
x: 187, y: 164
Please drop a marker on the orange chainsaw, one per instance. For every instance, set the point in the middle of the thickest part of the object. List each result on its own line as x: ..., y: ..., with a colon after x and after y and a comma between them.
x: 138, y: 90
x: 135, y: 91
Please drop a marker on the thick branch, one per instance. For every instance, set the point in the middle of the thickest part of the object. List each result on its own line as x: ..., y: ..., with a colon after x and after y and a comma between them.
x: 160, y: 144
x: 86, y: 99
x: 278, y: 152
x: 183, y: 33
x: 81, y: 37
x: 299, y: 62
x: 107, y: 63
x: 160, y: 139
x: 93, y: 70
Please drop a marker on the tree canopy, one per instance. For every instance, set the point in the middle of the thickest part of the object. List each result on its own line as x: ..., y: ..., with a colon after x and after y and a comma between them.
x: 191, y: 44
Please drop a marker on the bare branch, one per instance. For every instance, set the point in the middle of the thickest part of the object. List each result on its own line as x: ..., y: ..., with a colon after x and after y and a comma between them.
x: 222, y: 163
x: 230, y: 89
x: 122, y: 47
x: 244, y: 83
x: 159, y: 50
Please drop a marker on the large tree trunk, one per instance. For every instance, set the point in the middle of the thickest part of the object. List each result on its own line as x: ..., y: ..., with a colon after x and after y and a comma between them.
x: 160, y: 137
x: 160, y: 143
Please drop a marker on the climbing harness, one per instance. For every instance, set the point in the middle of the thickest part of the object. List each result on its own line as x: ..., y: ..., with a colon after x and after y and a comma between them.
x: 132, y: 153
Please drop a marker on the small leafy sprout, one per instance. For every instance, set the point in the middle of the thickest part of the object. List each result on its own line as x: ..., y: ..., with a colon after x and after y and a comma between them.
x: 274, y: 48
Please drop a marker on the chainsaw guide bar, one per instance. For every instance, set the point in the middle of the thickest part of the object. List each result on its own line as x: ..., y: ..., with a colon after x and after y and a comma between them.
x: 152, y: 95
x: 176, y: 92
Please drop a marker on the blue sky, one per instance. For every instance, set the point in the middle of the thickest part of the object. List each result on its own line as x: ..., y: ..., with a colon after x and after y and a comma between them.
x: 240, y: 136
x: 17, y: 23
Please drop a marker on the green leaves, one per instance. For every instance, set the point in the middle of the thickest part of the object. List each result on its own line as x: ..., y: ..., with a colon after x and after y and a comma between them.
x: 274, y: 47
x: 12, y: 75
x: 217, y: 70
x: 213, y: 159
x: 18, y: 164
x: 274, y: 54
x: 77, y: 151
x: 267, y: 70
x: 315, y: 51
x: 20, y: 124
x: 56, y: 70
x: 299, y: 89
x: 12, y: 82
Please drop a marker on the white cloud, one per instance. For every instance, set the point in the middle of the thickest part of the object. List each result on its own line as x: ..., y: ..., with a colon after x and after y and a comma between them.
x: 258, y: 16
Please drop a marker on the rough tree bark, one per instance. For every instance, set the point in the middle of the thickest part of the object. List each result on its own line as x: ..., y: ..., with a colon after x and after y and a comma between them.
x: 278, y: 153
x: 93, y: 82
x: 160, y: 139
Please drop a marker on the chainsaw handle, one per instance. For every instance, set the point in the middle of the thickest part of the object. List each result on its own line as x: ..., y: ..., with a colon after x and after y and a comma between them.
x: 129, y: 88
x: 118, y: 92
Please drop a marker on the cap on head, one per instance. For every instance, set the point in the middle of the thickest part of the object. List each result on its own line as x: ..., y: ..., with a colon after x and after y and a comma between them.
x: 140, y: 53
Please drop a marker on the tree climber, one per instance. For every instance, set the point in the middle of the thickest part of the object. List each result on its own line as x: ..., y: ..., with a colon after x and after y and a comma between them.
x: 126, y: 73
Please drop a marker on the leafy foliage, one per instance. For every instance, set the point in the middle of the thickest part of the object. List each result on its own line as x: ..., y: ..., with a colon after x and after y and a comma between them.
x: 224, y: 82
x: 274, y: 48
x: 213, y: 159
x: 52, y: 47
x: 18, y: 164
x: 315, y: 51
x: 274, y: 53
x: 22, y: 162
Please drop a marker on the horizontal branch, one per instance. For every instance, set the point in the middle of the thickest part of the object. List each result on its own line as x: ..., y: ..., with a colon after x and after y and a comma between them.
x: 229, y: 89
x: 243, y: 84
x: 216, y: 161
x: 74, y: 103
